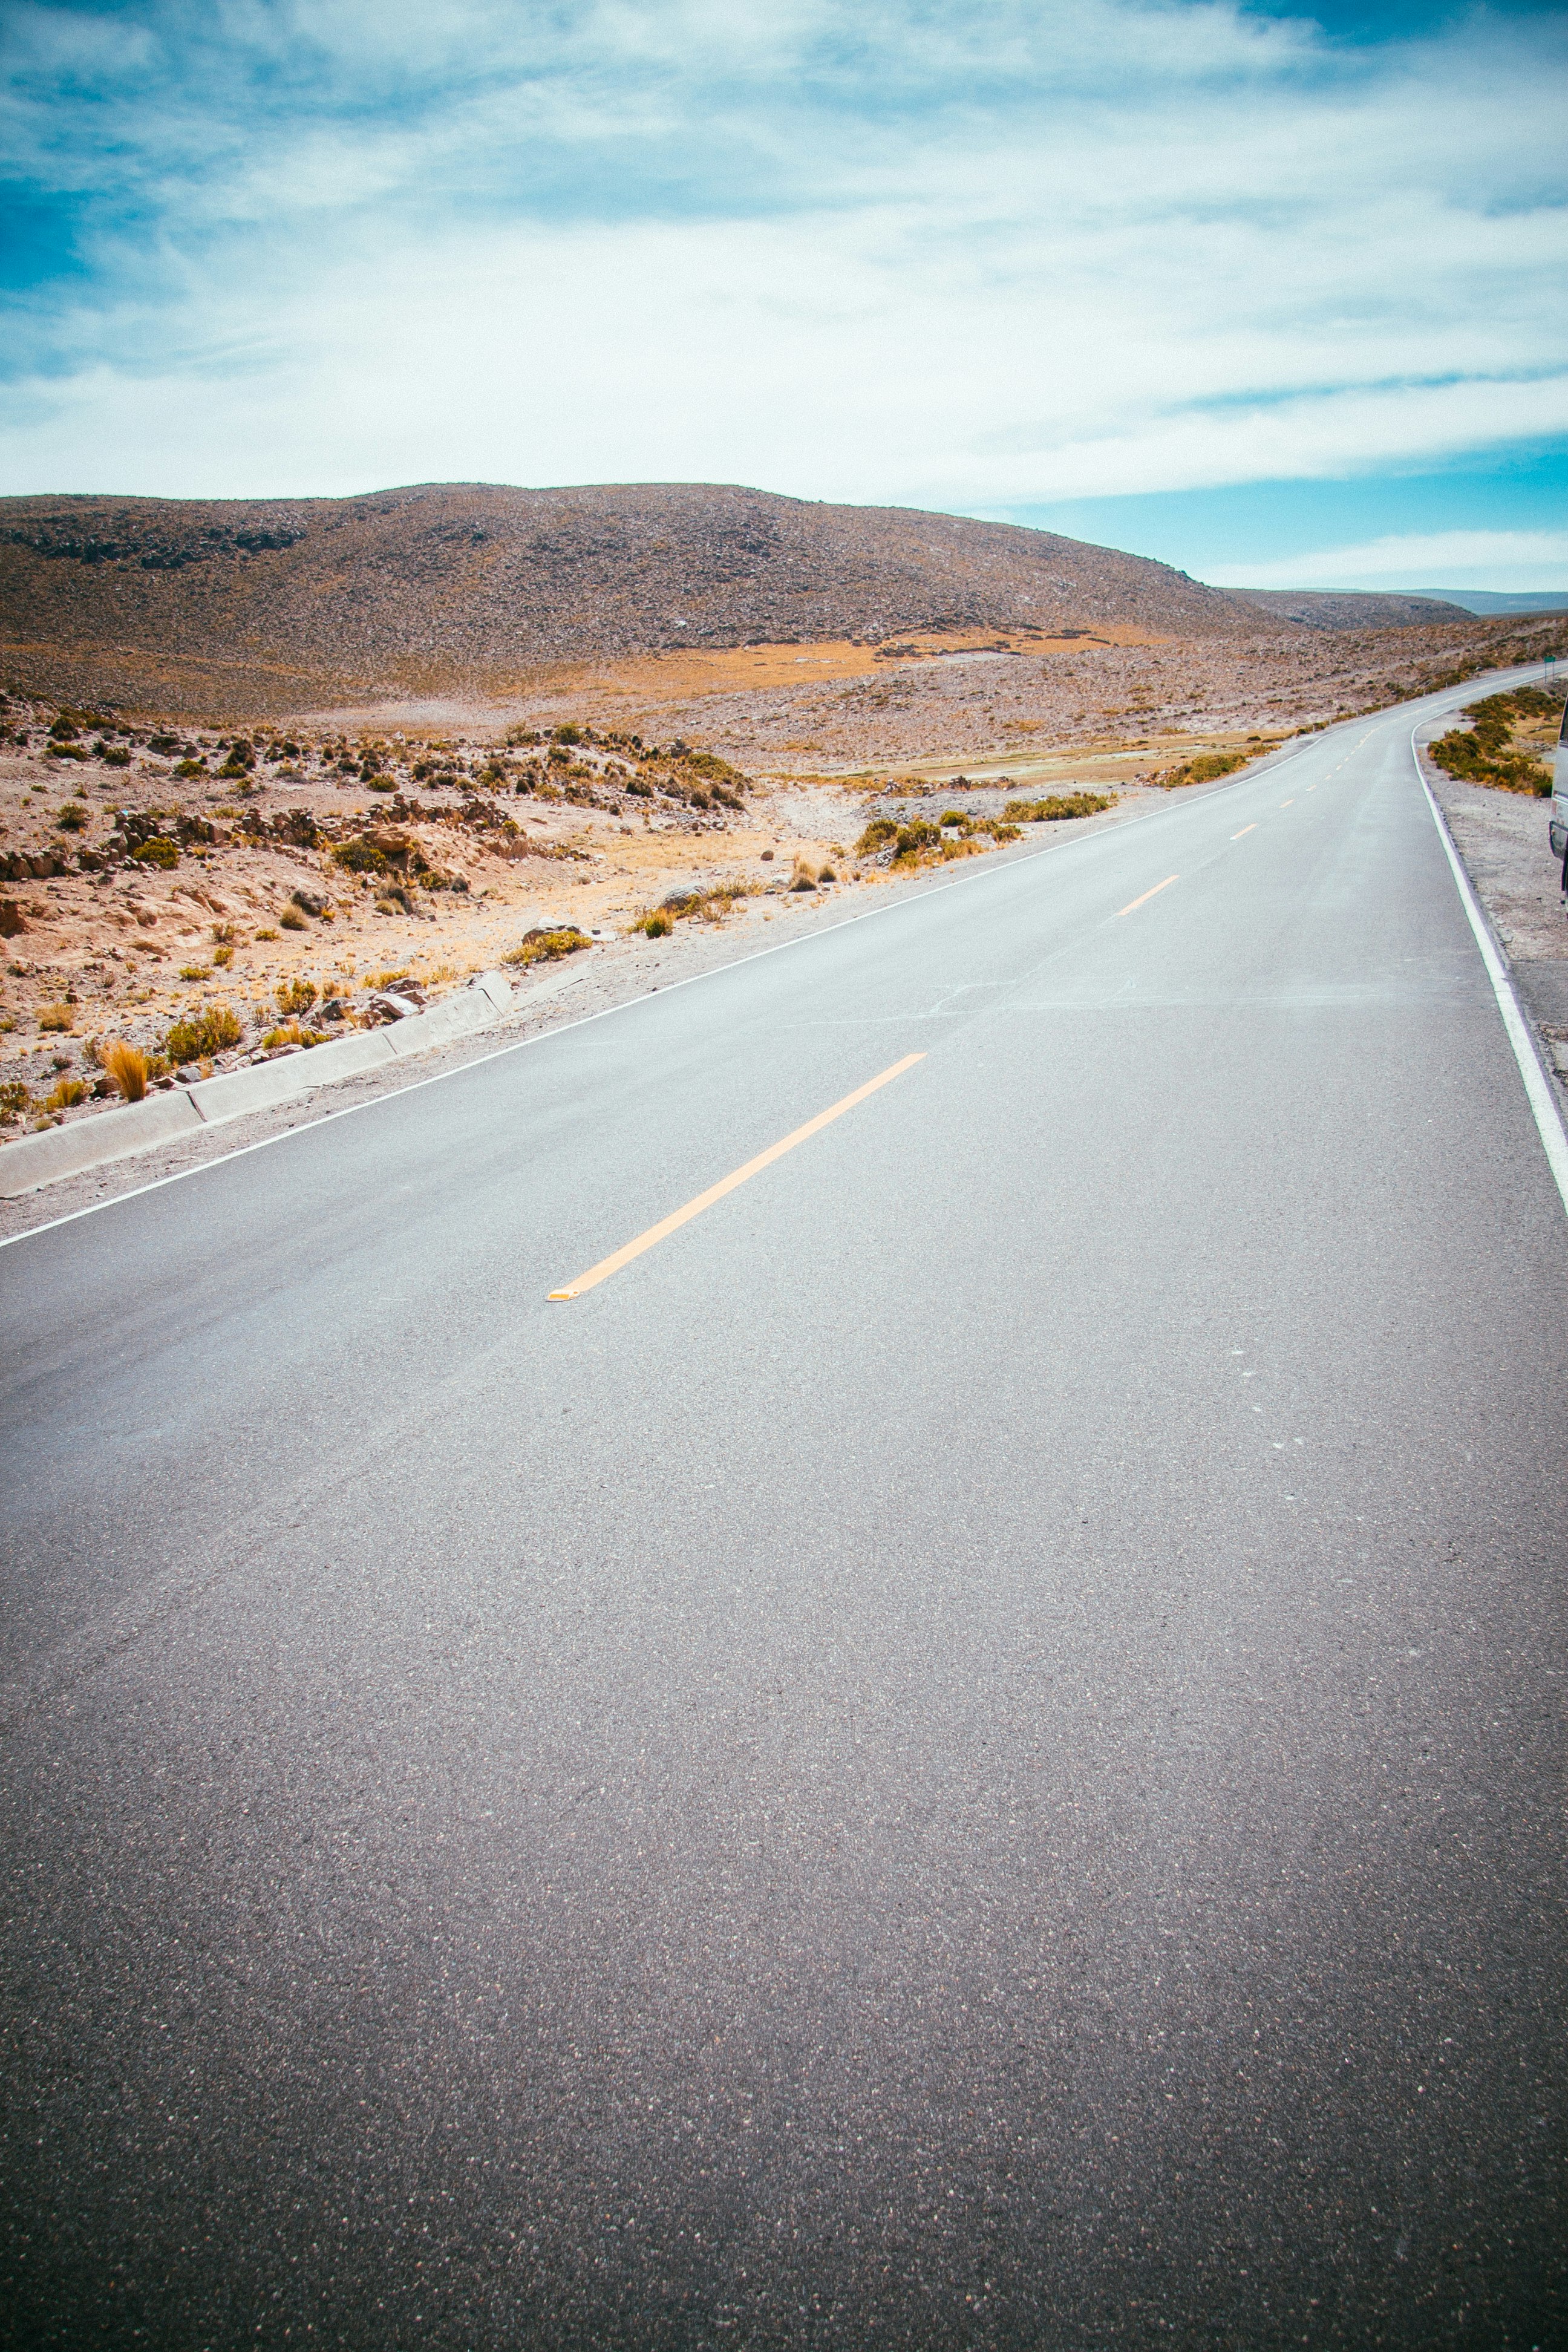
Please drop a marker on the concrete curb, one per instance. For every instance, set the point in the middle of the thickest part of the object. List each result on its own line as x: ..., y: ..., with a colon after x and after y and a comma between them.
x: 108, y: 1135
x: 37, y: 1159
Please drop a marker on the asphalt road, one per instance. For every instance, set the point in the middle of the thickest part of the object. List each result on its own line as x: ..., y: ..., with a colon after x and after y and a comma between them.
x: 968, y: 1751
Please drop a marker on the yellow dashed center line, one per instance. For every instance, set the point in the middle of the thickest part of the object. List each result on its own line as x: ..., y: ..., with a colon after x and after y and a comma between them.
x: 1286, y: 803
x: 1147, y: 895
x: 666, y: 1225
x: 1243, y: 834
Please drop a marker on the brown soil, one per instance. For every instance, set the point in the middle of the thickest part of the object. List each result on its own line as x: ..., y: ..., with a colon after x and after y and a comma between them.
x: 230, y: 607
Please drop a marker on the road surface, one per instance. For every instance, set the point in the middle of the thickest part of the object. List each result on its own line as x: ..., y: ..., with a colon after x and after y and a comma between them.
x: 967, y: 1751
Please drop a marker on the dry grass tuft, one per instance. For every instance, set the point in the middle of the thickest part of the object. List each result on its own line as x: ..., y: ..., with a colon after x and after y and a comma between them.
x: 540, y: 946
x: 201, y: 1035
x: 125, y: 1066
x: 1056, y: 806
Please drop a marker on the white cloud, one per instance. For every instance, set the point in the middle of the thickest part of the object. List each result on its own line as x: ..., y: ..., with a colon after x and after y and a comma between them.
x: 936, y: 257
x: 1507, y: 561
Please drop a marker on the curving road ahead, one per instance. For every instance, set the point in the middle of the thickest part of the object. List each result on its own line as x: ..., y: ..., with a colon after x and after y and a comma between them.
x: 967, y: 1751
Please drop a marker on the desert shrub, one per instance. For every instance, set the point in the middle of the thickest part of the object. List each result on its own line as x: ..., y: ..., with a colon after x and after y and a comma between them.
x: 379, y: 784
x: 58, y: 1017
x: 1484, y: 754
x: 224, y: 935
x: 191, y: 768
x: 1056, y: 806
x: 265, y: 934
x: 918, y: 834
x: 291, y: 1033
x: 1206, y: 769
x: 223, y: 957
x: 63, y: 730
x: 540, y: 946
x: 13, y: 1098
x: 803, y: 877
x: 195, y: 971
x: 126, y: 1067
x: 160, y: 851
x: 65, y: 751
x: 210, y: 1031
x: 72, y: 818
x: 292, y: 920
x: 296, y: 996
x: 952, y: 816
x: 826, y: 874
x: 114, y: 755
x: 657, y: 926
x: 360, y: 856
x: 65, y: 1094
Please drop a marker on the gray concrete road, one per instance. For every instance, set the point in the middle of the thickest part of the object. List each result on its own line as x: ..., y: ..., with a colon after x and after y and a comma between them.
x: 967, y: 1752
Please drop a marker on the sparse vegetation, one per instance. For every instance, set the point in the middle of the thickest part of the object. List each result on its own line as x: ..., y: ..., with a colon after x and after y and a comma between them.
x: 1056, y: 806
x: 296, y: 996
x: 540, y: 946
x: 360, y: 856
x: 56, y: 1017
x: 917, y: 842
x: 292, y: 919
x: 160, y: 851
x: 1207, y: 768
x: 66, y: 1094
x: 211, y: 1031
x: 125, y: 1066
x: 291, y: 1033
x: 14, y: 1099
x: 1484, y: 753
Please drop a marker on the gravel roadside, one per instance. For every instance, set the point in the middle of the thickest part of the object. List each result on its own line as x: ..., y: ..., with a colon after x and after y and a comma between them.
x: 1502, y: 838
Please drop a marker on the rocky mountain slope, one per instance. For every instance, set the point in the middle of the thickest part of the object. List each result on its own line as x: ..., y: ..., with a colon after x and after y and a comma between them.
x: 453, y: 585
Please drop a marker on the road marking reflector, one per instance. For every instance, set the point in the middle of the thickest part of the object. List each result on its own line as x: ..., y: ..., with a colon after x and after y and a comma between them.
x: 666, y: 1225
x: 1147, y: 895
x: 1245, y: 831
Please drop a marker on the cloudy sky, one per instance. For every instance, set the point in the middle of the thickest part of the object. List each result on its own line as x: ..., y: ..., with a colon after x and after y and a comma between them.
x: 1279, y: 297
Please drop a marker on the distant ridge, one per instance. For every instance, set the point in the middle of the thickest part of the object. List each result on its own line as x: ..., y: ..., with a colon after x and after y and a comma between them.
x: 1482, y: 600
x: 1317, y: 608
x: 473, y: 583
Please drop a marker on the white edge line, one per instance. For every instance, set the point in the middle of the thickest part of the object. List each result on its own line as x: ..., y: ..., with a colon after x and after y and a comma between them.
x: 987, y: 873
x: 1537, y: 1085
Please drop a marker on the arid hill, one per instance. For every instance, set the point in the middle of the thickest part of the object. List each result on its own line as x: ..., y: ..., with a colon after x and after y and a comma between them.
x: 266, y: 604
x: 1317, y: 608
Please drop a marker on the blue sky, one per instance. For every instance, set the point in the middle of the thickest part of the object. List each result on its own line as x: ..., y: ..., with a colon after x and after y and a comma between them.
x: 1278, y: 297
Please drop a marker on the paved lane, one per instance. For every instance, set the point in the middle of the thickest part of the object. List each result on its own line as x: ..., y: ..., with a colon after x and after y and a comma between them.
x: 967, y: 1752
